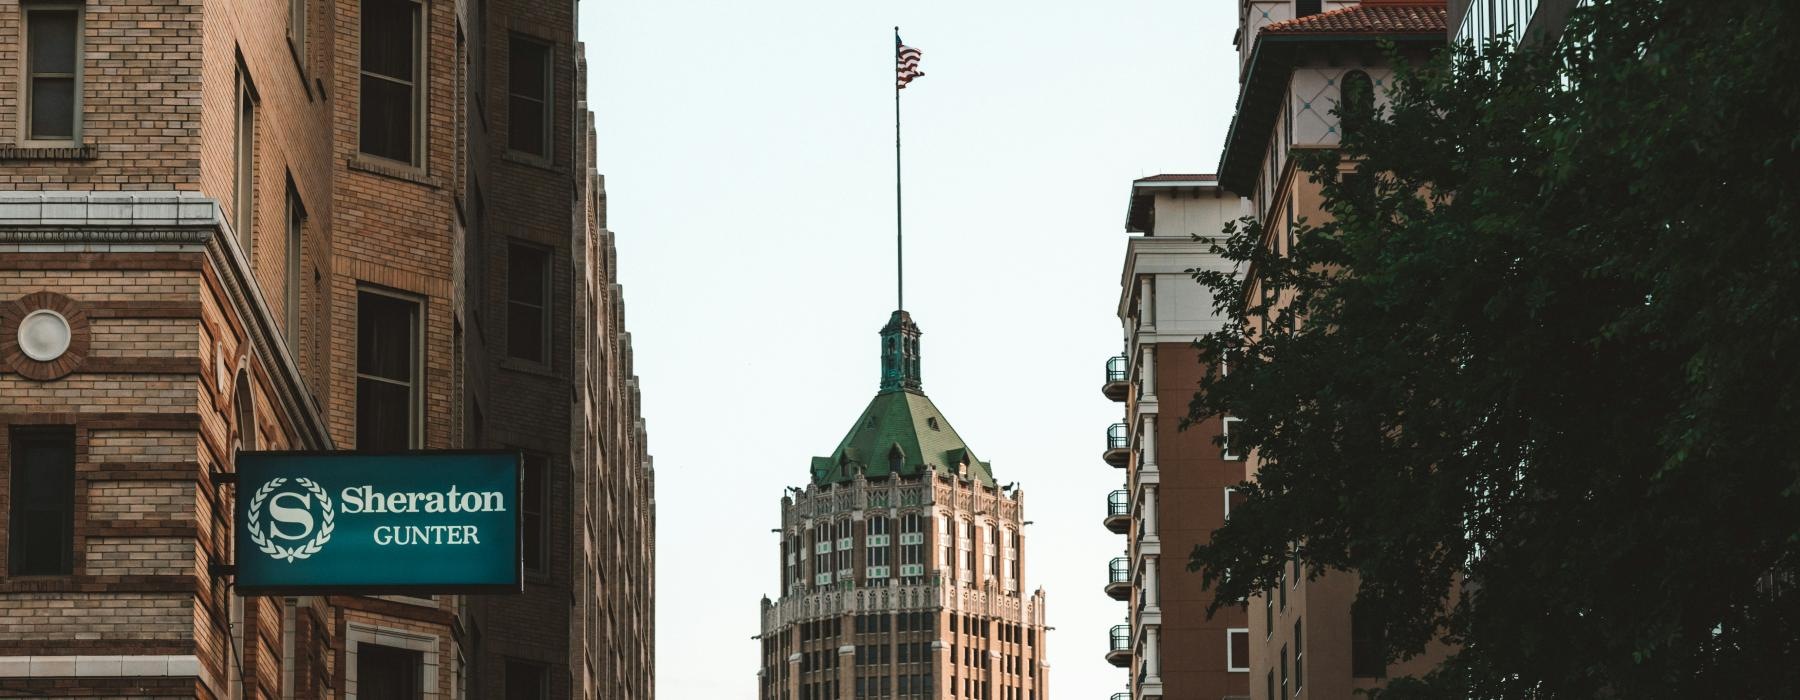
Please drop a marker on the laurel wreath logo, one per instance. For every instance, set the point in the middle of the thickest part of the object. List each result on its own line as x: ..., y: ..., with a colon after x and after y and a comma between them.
x: 301, y: 551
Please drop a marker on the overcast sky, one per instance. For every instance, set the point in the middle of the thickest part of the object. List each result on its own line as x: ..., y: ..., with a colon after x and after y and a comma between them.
x: 748, y: 151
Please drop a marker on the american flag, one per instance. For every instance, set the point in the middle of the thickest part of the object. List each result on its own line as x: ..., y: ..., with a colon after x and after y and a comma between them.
x: 906, y: 63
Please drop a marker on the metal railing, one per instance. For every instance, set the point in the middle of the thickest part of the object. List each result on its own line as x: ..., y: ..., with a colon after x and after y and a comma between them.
x: 1118, y: 436
x: 1118, y: 503
x: 1121, y: 696
x: 1119, y: 571
x: 1118, y: 368
x: 1121, y: 638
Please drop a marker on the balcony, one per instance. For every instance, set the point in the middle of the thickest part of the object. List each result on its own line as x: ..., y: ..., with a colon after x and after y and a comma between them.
x: 1118, y: 512
x: 1118, y: 579
x: 1118, y: 445
x: 1119, y: 654
x: 1118, y: 372
x: 1121, y: 696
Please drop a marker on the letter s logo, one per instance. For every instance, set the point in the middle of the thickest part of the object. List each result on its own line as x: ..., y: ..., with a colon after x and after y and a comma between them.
x: 302, y: 516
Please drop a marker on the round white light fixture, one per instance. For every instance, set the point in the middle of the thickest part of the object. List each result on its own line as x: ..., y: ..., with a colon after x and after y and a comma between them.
x: 44, y: 335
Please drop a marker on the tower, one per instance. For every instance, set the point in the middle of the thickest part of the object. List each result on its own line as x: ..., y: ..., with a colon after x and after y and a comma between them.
x: 902, y: 562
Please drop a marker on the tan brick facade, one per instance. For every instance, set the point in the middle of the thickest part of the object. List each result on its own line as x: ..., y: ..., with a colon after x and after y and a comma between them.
x: 193, y: 335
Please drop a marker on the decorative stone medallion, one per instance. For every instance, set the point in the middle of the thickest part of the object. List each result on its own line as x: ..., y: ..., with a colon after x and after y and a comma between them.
x: 43, y: 335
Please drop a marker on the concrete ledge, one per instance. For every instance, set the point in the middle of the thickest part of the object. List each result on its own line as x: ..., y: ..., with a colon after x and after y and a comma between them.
x: 36, y: 208
x: 163, y: 666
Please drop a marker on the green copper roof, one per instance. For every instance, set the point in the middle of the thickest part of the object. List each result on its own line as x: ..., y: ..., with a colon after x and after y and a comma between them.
x: 900, y: 428
x: 901, y: 432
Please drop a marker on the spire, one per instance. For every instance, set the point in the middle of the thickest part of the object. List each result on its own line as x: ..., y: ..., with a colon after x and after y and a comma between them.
x: 900, y: 354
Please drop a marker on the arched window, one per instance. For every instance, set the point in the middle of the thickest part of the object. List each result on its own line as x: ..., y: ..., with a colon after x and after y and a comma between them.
x: 242, y: 402
x: 1357, y: 105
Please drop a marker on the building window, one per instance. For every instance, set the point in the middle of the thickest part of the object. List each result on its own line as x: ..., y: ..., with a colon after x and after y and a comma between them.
x: 389, y: 673
x: 245, y: 403
x: 296, y: 227
x: 526, y: 681
x: 1229, y: 452
x: 528, y: 96
x: 1284, y: 672
x: 531, y: 511
x: 387, y: 372
x: 1269, y: 690
x: 391, y: 46
x: 297, y: 30
x: 1299, y: 655
x: 528, y: 302
x: 53, y: 72
x: 1306, y: 8
x: 244, y: 164
x: 42, y: 531
x: 1358, y: 104
x: 1237, y: 649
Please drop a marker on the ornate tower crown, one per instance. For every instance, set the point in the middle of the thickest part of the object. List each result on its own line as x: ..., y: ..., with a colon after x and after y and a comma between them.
x: 900, y: 354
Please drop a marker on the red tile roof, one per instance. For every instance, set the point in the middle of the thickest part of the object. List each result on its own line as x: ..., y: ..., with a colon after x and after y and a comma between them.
x: 1370, y: 18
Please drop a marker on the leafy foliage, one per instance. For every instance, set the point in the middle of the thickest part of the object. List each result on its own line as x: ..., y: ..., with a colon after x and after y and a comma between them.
x: 1536, y: 380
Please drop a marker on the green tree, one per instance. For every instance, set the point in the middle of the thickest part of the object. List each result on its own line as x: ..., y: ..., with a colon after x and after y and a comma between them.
x: 1545, y: 400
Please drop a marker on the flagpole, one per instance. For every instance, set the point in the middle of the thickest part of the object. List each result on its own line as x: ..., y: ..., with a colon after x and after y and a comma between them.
x: 899, y: 247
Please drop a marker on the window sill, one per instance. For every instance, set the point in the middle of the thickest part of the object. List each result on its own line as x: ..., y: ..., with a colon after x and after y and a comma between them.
x: 515, y: 364
x: 393, y: 169
x: 81, y: 152
x: 527, y: 159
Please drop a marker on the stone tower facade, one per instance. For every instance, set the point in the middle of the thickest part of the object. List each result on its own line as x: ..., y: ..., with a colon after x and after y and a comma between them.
x: 903, y: 563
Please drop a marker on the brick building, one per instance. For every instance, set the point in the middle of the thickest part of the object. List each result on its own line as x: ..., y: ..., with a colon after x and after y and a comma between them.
x: 902, y: 563
x: 305, y: 224
x: 1178, y: 483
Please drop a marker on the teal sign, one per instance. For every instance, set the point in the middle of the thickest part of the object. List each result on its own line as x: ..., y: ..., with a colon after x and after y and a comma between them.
x: 415, y: 522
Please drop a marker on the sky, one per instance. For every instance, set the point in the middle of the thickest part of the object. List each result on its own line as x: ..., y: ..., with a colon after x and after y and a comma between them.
x: 749, y: 160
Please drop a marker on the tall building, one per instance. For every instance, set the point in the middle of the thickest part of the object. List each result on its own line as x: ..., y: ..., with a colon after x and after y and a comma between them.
x: 1300, y: 60
x: 1524, y: 22
x: 310, y: 225
x: 1178, y: 483
x: 902, y: 563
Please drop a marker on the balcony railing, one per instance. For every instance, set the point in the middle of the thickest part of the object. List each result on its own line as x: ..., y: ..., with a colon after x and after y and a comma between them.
x: 1121, y: 696
x: 1118, y: 378
x: 1118, y: 444
x: 1118, y: 579
x: 1119, y: 653
x: 1118, y: 512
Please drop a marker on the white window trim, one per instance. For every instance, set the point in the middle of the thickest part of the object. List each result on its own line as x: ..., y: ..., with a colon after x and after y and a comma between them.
x: 1225, y: 431
x: 1229, y: 490
x: 1231, y: 663
x: 24, y: 94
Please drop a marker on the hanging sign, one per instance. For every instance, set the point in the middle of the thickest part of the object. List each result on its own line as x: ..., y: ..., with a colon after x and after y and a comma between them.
x: 352, y: 523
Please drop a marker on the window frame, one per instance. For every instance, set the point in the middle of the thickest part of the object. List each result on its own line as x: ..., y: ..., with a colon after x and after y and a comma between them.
x: 1232, y: 662
x: 297, y: 21
x: 1225, y: 452
x: 243, y: 163
x: 20, y: 437
x: 545, y: 288
x: 541, y: 533
x: 549, y: 99
x: 416, y: 409
x: 415, y: 657
x: 26, y: 9
x: 296, y: 241
x: 421, y: 39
